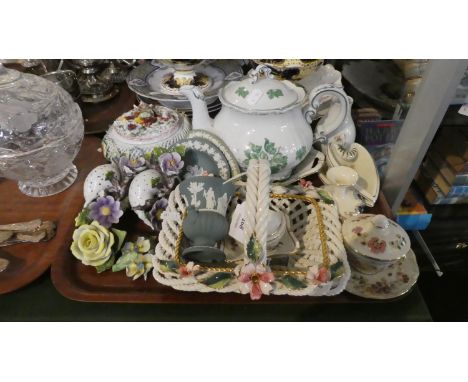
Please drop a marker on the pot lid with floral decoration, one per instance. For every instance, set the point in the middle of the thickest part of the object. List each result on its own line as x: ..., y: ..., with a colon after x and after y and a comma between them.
x: 375, y: 236
x: 148, y: 123
x: 261, y: 95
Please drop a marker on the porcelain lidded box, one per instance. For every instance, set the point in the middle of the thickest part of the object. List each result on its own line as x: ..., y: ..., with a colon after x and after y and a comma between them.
x: 373, y: 242
x: 143, y: 128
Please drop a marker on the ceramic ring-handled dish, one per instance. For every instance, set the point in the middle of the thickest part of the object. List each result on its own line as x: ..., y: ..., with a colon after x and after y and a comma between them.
x: 373, y: 242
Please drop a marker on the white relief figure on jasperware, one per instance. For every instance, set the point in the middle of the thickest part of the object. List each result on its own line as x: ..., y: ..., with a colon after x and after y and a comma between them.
x: 196, y: 170
x: 194, y: 189
x: 222, y: 204
x: 210, y: 199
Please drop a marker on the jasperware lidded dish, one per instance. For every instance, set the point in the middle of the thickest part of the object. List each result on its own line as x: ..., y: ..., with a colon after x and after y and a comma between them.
x: 41, y: 129
x: 373, y: 242
x: 143, y: 128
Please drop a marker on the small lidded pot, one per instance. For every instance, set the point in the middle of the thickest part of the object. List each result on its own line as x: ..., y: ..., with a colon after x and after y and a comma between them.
x: 373, y: 242
x: 138, y: 131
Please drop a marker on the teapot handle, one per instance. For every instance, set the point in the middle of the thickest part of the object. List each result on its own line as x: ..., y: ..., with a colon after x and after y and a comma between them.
x: 344, y: 117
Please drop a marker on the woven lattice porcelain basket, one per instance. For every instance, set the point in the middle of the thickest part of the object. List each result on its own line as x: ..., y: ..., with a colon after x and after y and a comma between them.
x: 318, y: 267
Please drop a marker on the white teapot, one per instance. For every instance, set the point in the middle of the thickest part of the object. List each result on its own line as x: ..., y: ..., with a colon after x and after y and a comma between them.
x: 264, y: 118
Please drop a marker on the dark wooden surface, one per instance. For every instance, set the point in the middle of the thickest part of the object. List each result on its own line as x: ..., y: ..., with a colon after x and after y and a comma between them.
x: 30, y: 260
x: 99, y: 116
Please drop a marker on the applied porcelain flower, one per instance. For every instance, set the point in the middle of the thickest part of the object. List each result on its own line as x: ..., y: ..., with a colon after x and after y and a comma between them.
x: 155, y: 213
x: 256, y: 279
x: 306, y: 184
x: 105, y: 210
x: 135, y: 259
x: 188, y: 269
x: 171, y: 163
x: 92, y: 244
x: 318, y: 274
x: 139, y: 267
x: 142, y: 245
x: 131, y: 166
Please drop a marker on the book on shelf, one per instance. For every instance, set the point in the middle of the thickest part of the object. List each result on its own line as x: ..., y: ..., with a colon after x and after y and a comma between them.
x: 432, y: 172
x: 452, y: 143
x: 434, y: 194
x: 454, y: 175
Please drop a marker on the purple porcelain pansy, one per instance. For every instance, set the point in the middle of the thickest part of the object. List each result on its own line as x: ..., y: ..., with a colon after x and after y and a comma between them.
x: 155, y: 213
x: 171, y: 163
x: 106, y: 211
x: 131, y: 166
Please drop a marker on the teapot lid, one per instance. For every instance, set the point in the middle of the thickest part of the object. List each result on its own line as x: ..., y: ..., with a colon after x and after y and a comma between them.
x: 375, y: 236
x: 148, y: 122
x: 263, y: 95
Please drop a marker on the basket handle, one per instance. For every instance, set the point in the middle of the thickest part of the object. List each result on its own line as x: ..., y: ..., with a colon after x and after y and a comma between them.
x: 257, y: 204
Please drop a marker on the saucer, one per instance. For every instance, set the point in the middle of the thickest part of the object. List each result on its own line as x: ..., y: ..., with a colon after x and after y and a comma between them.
x: 311, y: 164
x: 219, y: 143
x: 207, y: 149
x: 394, y: 281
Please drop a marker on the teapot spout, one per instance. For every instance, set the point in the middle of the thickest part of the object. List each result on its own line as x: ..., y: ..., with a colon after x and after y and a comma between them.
x: 201, y: 119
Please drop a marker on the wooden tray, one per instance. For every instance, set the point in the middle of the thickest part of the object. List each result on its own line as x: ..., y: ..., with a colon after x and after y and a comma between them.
x: 29, y: 260
x: 78, y: 282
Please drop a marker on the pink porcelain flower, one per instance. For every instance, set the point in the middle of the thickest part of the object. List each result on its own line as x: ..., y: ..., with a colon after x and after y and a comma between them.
x: 256, y: 279
x: 318, y: 274
x: 306, y: 184
x: 188, y: 269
